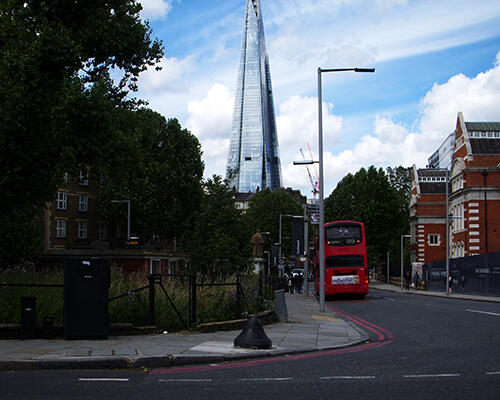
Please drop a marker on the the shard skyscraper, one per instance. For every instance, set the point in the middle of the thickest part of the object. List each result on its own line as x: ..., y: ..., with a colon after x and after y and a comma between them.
x: 253, y: 160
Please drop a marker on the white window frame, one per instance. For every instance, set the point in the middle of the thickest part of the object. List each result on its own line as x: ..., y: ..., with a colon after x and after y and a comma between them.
x: 61, y: 228
x: 82, y: 229
x: 62, y: 201
x: 83, y: 178
x: 83, y: 202
x: 103, y: 231
x: 155, y: 266
x: 432, y: 236
x: 173, y: 267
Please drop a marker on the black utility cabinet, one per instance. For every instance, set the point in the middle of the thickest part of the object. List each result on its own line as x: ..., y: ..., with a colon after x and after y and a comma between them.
x: 86, y: 295
x: 28, y: 317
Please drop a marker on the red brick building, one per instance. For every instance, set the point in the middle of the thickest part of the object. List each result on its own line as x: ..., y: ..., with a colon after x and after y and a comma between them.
x: 475, y: 188
x: 427, y: 215
x: 73, y: 228
x: 474, y: 197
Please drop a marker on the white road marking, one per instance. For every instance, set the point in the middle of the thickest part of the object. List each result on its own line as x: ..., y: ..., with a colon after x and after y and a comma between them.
x: 493, y: 373
x: 347, y: 377
x: 103, y: 379
x: 432, y: 376
x: 184, y: 380
x: 264, y: 379
x: 484, y: 312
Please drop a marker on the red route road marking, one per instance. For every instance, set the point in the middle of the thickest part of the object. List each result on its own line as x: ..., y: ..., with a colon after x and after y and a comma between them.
x: 381, y: 341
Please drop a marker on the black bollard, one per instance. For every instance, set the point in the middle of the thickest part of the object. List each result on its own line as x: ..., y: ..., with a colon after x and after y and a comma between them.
x: 253, y: 336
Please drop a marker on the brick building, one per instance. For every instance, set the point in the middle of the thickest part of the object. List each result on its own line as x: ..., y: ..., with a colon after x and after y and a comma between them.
x: 474, y: 197
x: 427, y: 215
x: 475, y: 188
x: 73, y: 228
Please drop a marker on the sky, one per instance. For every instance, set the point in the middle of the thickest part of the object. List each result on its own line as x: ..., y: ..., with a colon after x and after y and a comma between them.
x: 433, y: 59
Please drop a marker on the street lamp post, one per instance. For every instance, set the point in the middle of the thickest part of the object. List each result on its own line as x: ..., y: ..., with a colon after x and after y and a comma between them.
x: 128, y: 215
x: 402, y: 239
x: 321, y: 183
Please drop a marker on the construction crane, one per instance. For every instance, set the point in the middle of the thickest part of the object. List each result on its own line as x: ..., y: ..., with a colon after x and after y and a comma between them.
x: 314, y: 184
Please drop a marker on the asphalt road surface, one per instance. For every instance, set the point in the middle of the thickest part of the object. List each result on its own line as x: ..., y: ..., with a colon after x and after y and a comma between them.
x: 421, y: 348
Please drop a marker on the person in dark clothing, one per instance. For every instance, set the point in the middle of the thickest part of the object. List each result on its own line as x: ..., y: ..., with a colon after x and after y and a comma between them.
x: 300, y: 281
x: 294, y: 283
x: 450, y: 284
x: 407, y: 280
x: 416, y: 279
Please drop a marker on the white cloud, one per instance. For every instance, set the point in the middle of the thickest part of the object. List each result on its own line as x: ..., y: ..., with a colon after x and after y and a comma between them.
x: 171, y: 77
x: 210, y: 119
x: 155, y: 9
x: 391, y: 144
x: 385, y: 5
x: 297, y: 123
x: 478, y: 98
x: 297, y: 126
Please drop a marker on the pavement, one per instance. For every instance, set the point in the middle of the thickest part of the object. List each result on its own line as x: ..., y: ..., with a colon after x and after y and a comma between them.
x: 455, y: 295
x: 306, y: 330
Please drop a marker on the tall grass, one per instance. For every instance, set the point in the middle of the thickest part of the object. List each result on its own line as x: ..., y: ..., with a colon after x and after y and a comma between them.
x: 49, y: 300
x: 214, y: 303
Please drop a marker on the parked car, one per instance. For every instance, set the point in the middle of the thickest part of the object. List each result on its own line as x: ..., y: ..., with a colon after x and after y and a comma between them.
x: 297, y: 271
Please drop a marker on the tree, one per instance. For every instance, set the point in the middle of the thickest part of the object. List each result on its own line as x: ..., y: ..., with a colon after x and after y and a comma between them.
x: 369, y: 197
x: 400, y: 178
x: 59, y: 105
x: 158, y: 167
x: 264, y: 214
x: 217, y: 241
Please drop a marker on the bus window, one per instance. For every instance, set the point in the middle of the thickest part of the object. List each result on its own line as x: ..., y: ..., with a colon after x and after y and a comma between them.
x: 343, y: 235
x: 345, y: 261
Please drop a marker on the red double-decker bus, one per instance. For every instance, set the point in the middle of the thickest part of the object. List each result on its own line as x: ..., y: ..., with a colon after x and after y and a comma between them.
x: 346, y: 269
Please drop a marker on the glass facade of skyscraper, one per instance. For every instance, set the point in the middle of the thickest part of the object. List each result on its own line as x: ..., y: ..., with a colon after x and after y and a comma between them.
x: 253, y: 160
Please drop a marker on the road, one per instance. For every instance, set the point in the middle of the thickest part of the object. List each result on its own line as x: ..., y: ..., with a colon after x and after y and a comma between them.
x: 421, y: 348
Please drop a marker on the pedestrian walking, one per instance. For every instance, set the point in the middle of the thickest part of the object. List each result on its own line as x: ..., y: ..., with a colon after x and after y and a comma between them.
x: 450, y: 284
x: 295, y: 282
x: 407, y: 280
x: 300, y: 281
x: 292, y: 283
x: 288, y: 283
x: 416, y: 279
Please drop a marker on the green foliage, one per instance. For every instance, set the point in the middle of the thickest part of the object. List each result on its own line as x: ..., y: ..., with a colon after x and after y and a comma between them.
x: 59, y: 105
x: 217, y: 241
x: 158, y: 167
x: 49, y: 300
x: 264, y: 212
x: 214, y: 303
x: 369, y: 197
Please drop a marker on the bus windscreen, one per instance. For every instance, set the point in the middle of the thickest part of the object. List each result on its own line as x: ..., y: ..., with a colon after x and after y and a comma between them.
x: 345, y: 235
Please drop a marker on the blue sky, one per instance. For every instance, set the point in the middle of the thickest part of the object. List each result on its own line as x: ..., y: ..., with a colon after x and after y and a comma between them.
x: 433, y: 58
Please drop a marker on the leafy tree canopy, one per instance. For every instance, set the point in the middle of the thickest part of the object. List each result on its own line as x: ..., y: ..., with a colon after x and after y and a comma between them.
x: 157, y: 166
x: 264, y: 212
x: 217, y: 240
x: 59, y: 105
x: 369, y: 197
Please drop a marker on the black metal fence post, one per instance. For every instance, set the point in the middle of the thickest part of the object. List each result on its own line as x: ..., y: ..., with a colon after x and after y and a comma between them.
x: 192, y: 299
x: 260, y: 283
x: 151, y: 299
x: 238, y: 296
